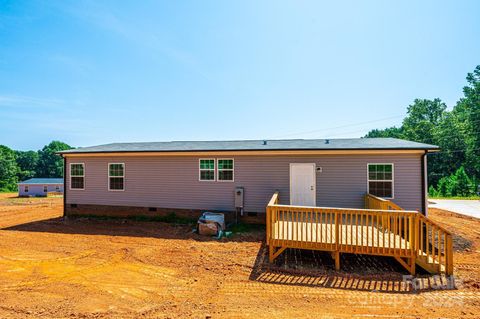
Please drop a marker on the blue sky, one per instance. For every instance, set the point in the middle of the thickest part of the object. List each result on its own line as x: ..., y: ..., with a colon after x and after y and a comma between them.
x: 93, y: 72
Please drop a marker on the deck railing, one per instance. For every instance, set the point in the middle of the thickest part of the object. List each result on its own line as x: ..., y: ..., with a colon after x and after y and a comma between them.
x: 435, y: 245
x: 374, y: 202
x: 377, y: 231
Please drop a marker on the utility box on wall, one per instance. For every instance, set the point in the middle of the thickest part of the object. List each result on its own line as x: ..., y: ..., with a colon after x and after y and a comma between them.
x: 239, y: 197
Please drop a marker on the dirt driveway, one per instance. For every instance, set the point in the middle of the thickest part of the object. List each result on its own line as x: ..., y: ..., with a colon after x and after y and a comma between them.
x: 50, y: 267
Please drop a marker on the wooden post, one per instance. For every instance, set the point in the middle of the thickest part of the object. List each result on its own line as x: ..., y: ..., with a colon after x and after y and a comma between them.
x: 268, y: 219
x: 337, y: 231
x: 337, y: 260
x: 449, y: 256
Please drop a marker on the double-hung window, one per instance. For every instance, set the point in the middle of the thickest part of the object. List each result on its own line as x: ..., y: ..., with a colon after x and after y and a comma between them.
x: 380, y: 180
x: 116, y: 176
x: 77, y: 176
x: 225, y: 169
x: 26, y: 189
x: 45, y: 189
x: 207, y: 169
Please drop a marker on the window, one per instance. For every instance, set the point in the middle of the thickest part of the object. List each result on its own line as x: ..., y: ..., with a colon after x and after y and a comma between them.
x: 380, y: 180
x: 26, y: 189
x: 225, y: 169
x: 45, y: 189
x: 207, y: 169
x: 116, y: 176
x: 77, y: 176
x: 57, y: 188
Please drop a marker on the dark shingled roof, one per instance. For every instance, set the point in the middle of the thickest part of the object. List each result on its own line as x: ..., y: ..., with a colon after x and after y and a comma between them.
x: 258, y: 145
x: 43, y: 181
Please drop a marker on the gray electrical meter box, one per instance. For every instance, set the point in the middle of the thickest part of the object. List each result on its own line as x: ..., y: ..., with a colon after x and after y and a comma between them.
x: 239, y: 197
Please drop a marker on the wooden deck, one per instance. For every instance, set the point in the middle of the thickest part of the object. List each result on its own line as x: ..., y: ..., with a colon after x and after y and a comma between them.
x: 407, y: 236
x: 351, y: 237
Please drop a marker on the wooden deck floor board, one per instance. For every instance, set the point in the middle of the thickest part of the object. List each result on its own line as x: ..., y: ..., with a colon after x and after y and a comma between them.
x: 350, y: 236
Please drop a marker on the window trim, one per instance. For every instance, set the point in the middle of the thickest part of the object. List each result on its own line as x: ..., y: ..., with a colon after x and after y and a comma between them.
x: 383, y: 180
x: 203, y: 169
x: 70, y: 177
x: 26, y: 188
x: 108, y: 177
x: 45, y: 188
x: 228, y: 169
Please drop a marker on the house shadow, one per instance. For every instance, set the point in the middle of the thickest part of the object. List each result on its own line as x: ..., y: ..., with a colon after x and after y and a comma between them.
x: 367, y: 273
x: 129, y: 228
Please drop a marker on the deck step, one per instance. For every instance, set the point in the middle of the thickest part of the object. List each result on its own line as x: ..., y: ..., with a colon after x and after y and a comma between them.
x: 429, y: 264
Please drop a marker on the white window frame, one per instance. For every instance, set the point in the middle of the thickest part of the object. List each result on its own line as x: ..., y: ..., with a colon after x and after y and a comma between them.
x: 203, y: 169
x: 124, y: 179
x: 45, y: 188
x: 57, y: 188
x: 228, y: 169
x: 70, y: 174
x: 26, y: 188
x: 383, y: 180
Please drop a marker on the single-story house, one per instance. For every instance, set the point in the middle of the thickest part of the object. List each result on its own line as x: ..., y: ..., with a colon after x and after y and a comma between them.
x: 40, y: 186
x: 189, y: 177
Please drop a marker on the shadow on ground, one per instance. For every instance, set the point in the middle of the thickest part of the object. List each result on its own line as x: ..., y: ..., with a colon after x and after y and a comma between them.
x: 358, y: 272
x: 128, y: 228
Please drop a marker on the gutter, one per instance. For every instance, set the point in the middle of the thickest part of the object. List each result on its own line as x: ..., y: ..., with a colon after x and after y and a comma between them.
x: 78, y: 151
x: 424, y: 181
x: 64, y: 184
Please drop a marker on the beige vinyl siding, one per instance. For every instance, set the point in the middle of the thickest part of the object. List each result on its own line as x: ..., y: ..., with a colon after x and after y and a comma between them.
x: 172, y: 182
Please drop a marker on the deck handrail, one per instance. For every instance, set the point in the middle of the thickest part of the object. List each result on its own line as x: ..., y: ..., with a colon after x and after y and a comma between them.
x: 435, y: 244
x: 372, y: 201
x: 399, y: 233
x: 347, y: 209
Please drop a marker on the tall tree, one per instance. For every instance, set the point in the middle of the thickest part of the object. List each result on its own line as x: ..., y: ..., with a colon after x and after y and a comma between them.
x: 393, y: 131
x: 471, y: 104
x: 422, y: 118
x: 27, y: 164
x: 49, y: 163
x: 8, y: 169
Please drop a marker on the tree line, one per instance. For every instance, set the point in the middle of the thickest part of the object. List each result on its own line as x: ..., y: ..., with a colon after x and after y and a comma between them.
x: 17, y: 166
x: 455, y: 170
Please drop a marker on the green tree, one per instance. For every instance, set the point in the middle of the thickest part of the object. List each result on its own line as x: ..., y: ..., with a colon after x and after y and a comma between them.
x: 463, y: 184
x: 423, y: 116
x: 49, y: 163
x: 8, y: 169
x: 27, y: 164
x: 471, y: 104
x: 450, y: 135
x: 432, y: 192
x: 396, y: 132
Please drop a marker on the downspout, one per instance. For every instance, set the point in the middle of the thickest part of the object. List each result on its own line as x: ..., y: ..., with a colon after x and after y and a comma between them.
x: 424, y: 184
x: 64, y: 184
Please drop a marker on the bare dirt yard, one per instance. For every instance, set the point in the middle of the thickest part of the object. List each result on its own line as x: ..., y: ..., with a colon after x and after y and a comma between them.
x: 91, y: 268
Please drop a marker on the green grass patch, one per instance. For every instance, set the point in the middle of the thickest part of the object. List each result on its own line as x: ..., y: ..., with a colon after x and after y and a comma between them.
x: 456, y: 197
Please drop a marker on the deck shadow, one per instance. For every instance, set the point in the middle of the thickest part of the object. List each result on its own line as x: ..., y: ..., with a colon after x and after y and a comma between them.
x: 126, y: 228
x: 367, y: 273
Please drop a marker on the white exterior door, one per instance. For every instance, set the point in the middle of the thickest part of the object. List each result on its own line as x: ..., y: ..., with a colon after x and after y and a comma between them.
x: 302, y: 184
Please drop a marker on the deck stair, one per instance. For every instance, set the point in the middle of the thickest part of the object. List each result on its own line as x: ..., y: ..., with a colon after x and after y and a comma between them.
x: 383, y: 228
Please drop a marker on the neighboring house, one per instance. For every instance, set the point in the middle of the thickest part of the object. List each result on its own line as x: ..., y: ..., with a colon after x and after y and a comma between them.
x: 40, y: 186
x: 126, y: 179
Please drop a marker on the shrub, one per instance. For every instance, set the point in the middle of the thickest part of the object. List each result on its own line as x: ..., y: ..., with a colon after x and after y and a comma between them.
x: 457, y: 184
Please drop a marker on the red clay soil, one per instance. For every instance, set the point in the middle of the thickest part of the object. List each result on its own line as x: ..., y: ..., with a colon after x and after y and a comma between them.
x: 87, y: 268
